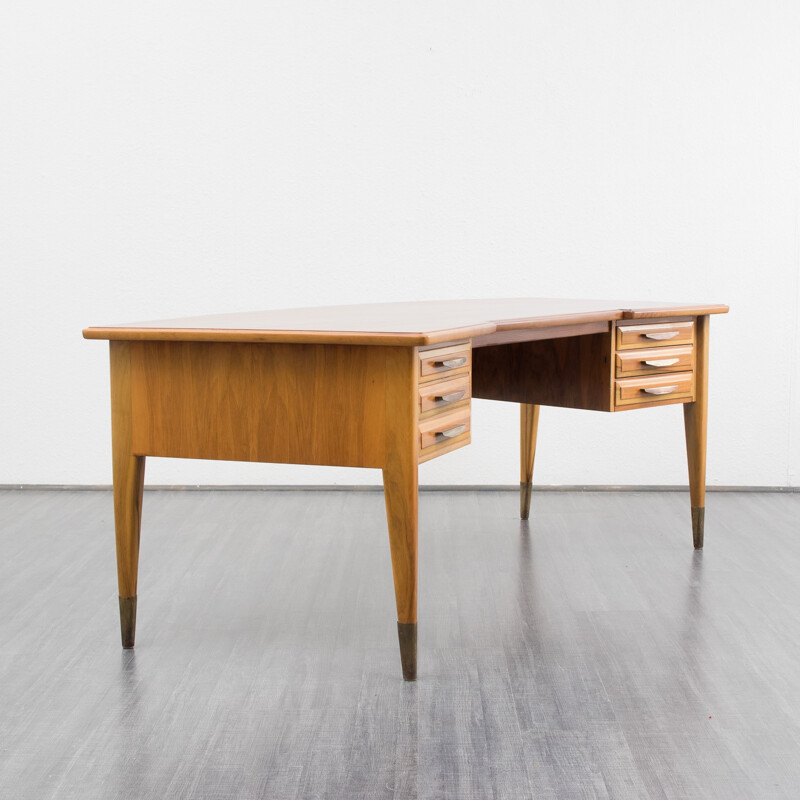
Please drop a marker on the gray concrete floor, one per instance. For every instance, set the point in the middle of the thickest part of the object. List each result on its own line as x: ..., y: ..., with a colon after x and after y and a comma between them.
x: 588, y: 654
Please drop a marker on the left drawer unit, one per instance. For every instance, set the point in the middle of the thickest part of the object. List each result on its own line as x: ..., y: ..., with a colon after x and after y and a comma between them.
x: 445, y: 393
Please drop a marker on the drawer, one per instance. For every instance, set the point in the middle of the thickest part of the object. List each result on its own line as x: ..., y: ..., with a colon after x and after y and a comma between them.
x: 442, y: 394
x: 654, y: 389
x: 660, y: 334
x: 443, y: 431
x: 445, y: 359
x: 653, y: 361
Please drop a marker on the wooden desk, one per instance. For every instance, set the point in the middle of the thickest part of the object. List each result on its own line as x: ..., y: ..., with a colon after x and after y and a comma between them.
x: 387, y: 386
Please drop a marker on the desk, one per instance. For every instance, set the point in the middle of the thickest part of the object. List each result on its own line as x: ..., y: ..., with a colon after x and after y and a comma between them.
x: 387, y: 386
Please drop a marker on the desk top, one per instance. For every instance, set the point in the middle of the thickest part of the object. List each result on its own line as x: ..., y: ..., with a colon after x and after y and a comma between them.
x: 417, y: 323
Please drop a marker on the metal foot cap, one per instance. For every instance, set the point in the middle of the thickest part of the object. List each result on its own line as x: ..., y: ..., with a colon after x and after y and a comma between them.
x: 525, y: 500
x: 698, y: 522
x: 407, y: 634
x: 127, y: 620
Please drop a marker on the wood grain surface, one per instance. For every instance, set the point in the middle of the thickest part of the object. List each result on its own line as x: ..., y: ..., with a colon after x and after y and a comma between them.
x: 572, y: 372
x: 640, y: 391
x: 417, y: 323
x: 528, y: 429
x: 656, y: 334
x: 128, y: 469
x: 695, y: 417
x: 283, y: 403
x: 128, y: 472
x: 630, y: 363
x: 400, y: 488
x: 443, y: 394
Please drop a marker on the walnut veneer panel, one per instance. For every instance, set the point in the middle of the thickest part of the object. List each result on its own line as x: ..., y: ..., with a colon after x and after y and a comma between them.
x: 286, y: 403
x: 573, y: 372
x: 419, y: 323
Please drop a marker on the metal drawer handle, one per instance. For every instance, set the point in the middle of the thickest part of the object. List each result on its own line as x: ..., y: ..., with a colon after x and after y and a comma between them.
x: 450, y: 398
x: 661, y: 336
x: 450, y: 433
x: 661, y: 362
x: 451, y: 362
x: 661, y: 389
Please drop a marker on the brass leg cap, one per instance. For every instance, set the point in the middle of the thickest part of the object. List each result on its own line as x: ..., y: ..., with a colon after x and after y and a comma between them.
x: 127, y: 620
x: 698, y: 521
x: 407, y: 634
x: 525, y: 500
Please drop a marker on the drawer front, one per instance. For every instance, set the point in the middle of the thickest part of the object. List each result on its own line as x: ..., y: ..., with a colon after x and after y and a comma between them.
x: 654, y: 389
x: 444, y: 394
x: 445, y: 359
x: 442, y: 431
x: 654, y: 361
x: 661, y: 334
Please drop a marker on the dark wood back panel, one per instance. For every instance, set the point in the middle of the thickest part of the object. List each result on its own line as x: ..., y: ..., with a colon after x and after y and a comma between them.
x: 572, y: 372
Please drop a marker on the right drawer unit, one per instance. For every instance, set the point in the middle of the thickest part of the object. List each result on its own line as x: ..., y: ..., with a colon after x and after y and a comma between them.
x: 653, y: 363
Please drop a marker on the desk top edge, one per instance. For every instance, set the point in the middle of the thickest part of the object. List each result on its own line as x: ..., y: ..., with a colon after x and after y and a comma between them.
x: 409, y: 324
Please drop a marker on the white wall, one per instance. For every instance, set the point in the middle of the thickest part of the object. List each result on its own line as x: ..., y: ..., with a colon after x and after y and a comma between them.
x: 174, y: 158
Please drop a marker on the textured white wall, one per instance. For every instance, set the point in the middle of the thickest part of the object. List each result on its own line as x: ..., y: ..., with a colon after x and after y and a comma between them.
x: 165, y: 159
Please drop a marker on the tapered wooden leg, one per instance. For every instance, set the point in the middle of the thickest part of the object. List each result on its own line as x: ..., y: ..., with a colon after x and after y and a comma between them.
x: 128, y: 486
x: 694, y: 416
x: 528, y: 427
x: 400, y: 486
x: 400, y: 491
